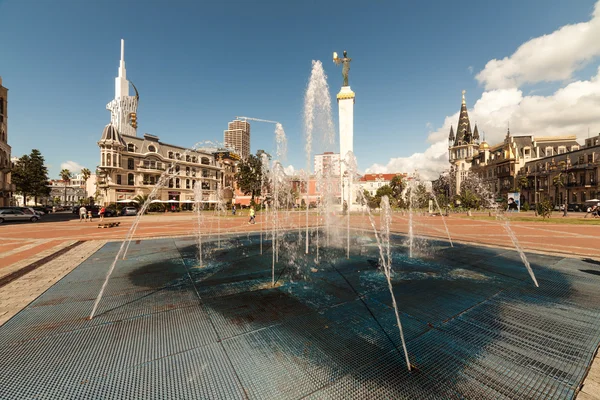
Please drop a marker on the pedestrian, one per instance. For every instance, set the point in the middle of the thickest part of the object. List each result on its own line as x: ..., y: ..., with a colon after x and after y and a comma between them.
x: 82, y: 213
x: 101, y: 213
x: 252, y: 216
x: 89, y: 215
x: 233, y: 209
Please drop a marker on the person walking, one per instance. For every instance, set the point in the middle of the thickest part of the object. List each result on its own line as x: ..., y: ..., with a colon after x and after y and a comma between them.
x: 252, y: 216
x: 101, y: 213
x: 82, y: 213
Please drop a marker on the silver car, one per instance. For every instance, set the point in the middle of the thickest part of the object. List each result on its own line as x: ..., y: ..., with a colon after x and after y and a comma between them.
x: 17, y: 215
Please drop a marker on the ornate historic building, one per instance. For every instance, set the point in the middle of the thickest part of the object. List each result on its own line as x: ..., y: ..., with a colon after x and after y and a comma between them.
x: 132, y: 165
x: 498, y: 165
x: 6, y: 187
x: 464, y: 146
x: 563, y: 174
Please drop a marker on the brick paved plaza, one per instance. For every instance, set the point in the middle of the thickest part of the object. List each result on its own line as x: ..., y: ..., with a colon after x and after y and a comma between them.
x: 53, y: 249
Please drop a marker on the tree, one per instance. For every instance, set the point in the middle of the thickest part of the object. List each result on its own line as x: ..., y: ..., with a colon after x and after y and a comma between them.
x: 249, y: 175
x: 85, y: 173
x: 397, y: 185
x: 544, y: 208
x: 65, y: 175
x: 558, y: 182
x: 30, y: 176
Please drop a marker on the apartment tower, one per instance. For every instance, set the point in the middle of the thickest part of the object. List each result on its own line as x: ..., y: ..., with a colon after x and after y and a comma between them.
x: 237, y: 136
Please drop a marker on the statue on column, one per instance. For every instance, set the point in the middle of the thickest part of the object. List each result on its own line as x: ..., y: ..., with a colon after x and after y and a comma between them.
x: 346, y: 65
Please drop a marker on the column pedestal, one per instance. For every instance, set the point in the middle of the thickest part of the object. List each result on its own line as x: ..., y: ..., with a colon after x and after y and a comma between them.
x: 345, y: 100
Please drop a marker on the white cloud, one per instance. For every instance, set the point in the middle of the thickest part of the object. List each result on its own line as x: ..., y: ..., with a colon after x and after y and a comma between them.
x: 72, y: 166
x: 289, y: 170
x: 552, y: 57
x: 427, y: 164
x: 570, y: 110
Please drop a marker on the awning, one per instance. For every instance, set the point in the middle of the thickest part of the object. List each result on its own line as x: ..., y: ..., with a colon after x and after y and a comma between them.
x: 127, y: 201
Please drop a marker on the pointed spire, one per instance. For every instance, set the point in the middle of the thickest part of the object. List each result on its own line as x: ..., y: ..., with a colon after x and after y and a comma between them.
x: 121, y: 83
x: 451, y: 135
x: 476, y: 133
x: 464, y: 125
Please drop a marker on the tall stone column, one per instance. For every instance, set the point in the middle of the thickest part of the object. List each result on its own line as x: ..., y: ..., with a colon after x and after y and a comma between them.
x: 345, y: 100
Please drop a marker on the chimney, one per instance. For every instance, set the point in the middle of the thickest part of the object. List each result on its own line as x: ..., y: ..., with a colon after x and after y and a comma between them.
x: 0, y: 81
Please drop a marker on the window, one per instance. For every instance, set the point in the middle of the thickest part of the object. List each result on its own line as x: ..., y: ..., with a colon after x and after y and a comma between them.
x: 549, y: 151
x: 177, y: 183
x: 152, y: 149
x: 581, y: 160
x: 170, y: 154
x: 1, y: 105
x: 590, y: 158
x: 562, y: 149
x: 187, y: 158
x: 205, y: 173
x: 108, y: 159
x: 527, y: 152
x: 130, y: 180
x: 171, y: 182
x: 130, y: 147
x: 187, y: 171
x: 205, y: 161
x: 118, y: 179
x: 103, y: 163
x: 130, y: 163
x: 187, y: 183
x: 574, y: 147
x: 574, y: 198
x: 205, y: 185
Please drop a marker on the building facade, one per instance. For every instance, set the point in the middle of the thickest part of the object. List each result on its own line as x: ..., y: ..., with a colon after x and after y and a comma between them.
x: 372, y: 182
x: 237, y: 137
x: 327, y: 164
x: 497, y: 166
x: 563, y: 175
x: 7, y: 189
x: 132, y: 165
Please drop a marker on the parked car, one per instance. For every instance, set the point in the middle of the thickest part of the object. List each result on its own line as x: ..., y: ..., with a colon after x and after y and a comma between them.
x: 26, y: 210
x: 13, y: 214
x: 40, y: 210
x: 129, y: 211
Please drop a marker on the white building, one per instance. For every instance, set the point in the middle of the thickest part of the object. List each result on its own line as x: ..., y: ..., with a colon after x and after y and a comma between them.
x: 132, y: 165
x: 327, y: 163
x: 372, y: 182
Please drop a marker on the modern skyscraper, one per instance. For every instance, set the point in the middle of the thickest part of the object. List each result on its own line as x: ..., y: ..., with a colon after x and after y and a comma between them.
x: 327, y: 163
x: 237, y: 136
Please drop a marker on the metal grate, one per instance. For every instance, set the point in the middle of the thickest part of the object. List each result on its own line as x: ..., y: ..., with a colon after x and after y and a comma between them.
x: 167, y: 328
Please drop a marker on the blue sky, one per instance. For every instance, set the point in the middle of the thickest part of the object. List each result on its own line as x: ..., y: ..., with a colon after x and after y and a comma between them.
x: 198, y: 64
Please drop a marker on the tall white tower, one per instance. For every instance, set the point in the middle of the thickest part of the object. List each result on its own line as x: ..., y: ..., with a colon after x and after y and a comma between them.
x: 345, y: 100
x: 123, y: 108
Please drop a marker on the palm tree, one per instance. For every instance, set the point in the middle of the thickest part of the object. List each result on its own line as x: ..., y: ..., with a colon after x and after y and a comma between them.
x: 85, y: 173
x: 397, y: 184
x: 559, y: 182
x: 65, y: 175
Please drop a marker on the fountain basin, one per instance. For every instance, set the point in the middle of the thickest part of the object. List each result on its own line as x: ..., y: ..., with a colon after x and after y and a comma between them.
x: 475, y: 325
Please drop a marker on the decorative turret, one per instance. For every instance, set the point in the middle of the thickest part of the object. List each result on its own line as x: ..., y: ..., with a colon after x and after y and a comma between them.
x: 451, y: 136
x: 476, y: 134
x: 111, y: 144
x: 463, y: 130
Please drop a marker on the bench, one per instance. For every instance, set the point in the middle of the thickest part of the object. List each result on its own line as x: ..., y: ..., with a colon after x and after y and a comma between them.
x: 109, y: 224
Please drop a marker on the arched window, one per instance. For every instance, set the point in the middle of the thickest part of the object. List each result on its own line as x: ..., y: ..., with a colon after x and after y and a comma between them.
x: 130, y: 163
x: 187, y: 171
x: 187, y: 183
x: 177, y: 168
x: 187, y: 158
x: 108, y: 159
x: 130, y: 180
x: 114, y: 164
x: 205, y: 161
x: 171, y: 182
x: 1, y: 106
x: 103, y: 163
x: 193, y: 184
x: 170, y: 155
x: 130, y: 147
x: 152, y: 149
x: 177, y: 183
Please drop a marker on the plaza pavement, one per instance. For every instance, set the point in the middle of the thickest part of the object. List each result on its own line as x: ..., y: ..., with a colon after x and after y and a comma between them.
x: 22, y: 245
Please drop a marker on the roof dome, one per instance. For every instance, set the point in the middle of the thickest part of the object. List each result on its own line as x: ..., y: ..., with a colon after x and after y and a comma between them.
x: 110, y: 134
x: 484, y: 146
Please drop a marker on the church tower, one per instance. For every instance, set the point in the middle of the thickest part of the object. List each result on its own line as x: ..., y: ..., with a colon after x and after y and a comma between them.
x: 463, y: 146
x: 123, y: 108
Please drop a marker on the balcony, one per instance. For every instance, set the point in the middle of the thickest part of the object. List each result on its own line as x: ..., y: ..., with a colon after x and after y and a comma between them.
x: 7, y: 187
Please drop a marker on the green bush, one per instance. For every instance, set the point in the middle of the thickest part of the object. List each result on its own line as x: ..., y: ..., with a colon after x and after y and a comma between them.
x: 525, y: 206
x: 544, y: 209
